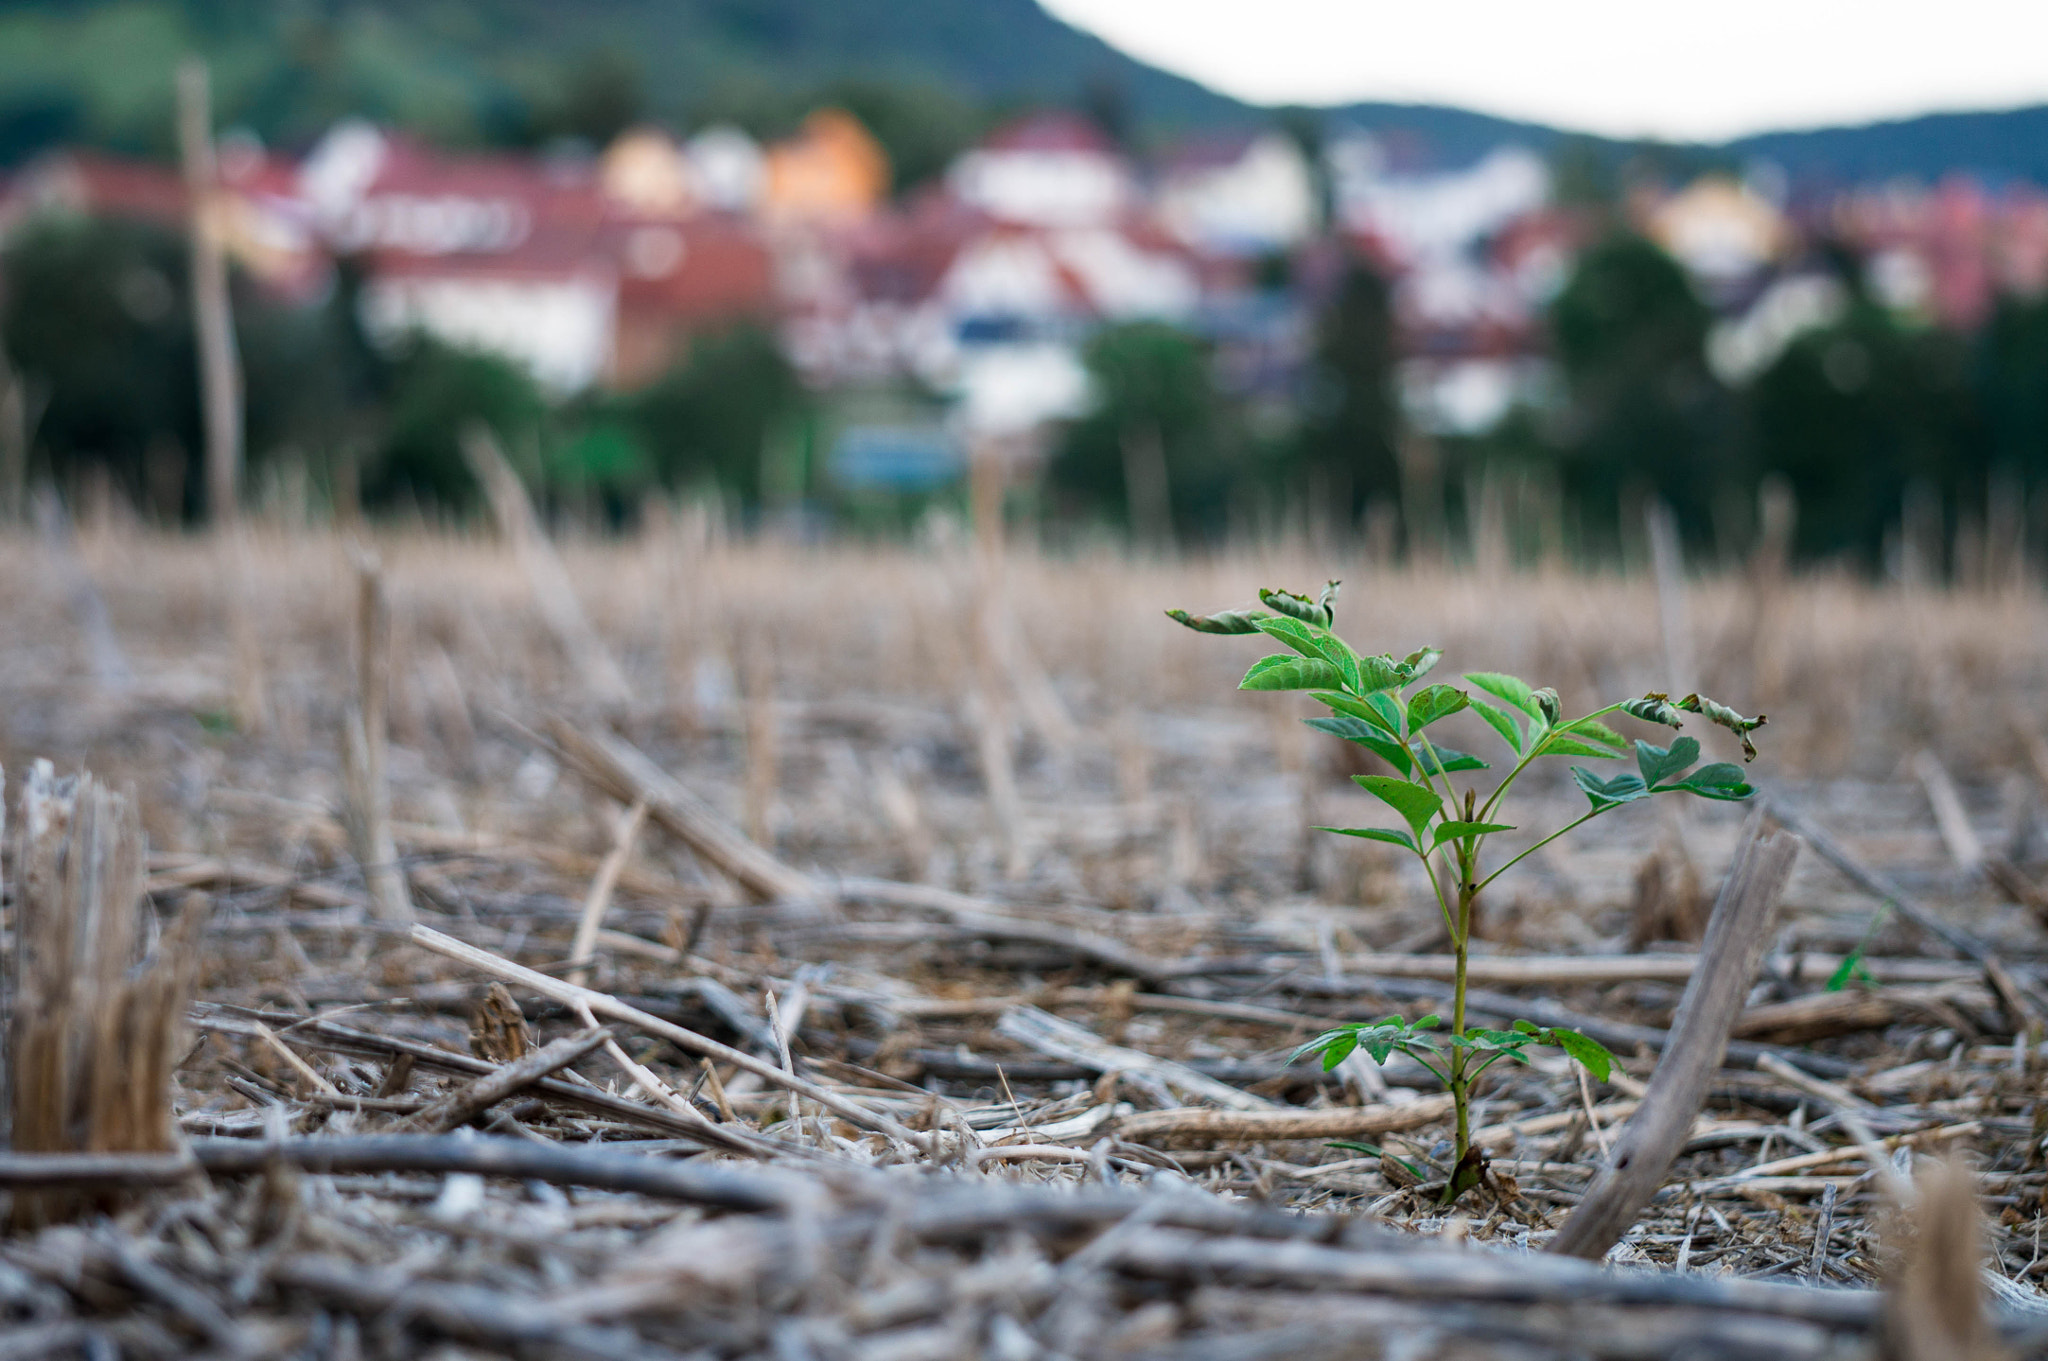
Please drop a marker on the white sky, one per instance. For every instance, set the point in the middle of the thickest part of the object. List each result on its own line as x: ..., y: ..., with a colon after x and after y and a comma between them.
x: 1627, y: 68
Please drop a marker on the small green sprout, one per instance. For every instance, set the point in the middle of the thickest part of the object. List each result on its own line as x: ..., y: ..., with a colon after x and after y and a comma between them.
x: 1383, y: 705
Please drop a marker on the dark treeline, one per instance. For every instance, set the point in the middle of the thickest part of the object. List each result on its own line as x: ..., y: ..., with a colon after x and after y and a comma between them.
x: 1879, y: 425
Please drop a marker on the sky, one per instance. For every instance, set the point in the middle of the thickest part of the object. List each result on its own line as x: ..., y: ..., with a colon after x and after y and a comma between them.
x: 1624, y: 68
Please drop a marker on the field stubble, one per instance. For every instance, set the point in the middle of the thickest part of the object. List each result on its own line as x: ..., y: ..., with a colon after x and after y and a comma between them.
x: 1070, y: 924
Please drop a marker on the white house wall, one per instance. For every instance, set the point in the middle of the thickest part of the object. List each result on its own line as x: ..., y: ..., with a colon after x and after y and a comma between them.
x: 1042, y: 188
x: 559, y: 331
x: 1263, y: 201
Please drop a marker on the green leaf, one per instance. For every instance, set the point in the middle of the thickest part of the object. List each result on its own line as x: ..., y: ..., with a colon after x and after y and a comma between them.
x: 1447, y: 759
x: 1377, y: 834
x: 1393, y: 714
x: 1353, y: 1146
x: 1381, y: 745
x: 1726, y: 717
x: 1315, y: 642
x: 1416, y: 804
x: 1513, y: 689
x: 1607, y: 794
x: 1659, y: 764
x: 1281, y: 672
x: 1321, y: 610
x: 1594, y: 731
x: 1377, y: 1038
x: 1368, y: 735
x: 1437, y: 701
x: 1583, y: 1050
x: 1722, y: 780
x: 1459, y: 831
x: 1350, y: 729
x: 1851, y: 967
x: 1420, y: 663
x: 1223, y: 621
x: 1502, y: 723
x: 1378, y: 673
x: 1354, y: 707
x: 1557, y: 744
x: 1654, y: 707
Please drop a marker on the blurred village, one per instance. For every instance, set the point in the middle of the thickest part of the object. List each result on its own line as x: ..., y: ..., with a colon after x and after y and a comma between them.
x: 1301, y: 327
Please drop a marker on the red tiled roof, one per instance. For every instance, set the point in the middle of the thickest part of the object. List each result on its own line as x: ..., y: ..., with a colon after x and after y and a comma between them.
x: 1052, y: 131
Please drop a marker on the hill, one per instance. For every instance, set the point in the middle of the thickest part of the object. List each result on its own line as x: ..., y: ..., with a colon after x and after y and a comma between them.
x: 928, y: 74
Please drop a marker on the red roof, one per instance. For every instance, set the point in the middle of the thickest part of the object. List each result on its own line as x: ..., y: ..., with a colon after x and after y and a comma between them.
x: 1051, y: 131
x: 103, y: 186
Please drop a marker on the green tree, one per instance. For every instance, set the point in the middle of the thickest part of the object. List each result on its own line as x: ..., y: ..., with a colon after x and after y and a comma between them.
x: 1630, y: 335
x: 2012, y: 376
x: 1852, y: 412
x: 96, y: 319
x: 1352, y: 420
x: 1155, y: 449
x: 438, y: 391
x: 714, y: 416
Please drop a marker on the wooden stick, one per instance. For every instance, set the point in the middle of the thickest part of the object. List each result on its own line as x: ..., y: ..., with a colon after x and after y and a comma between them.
x: 1197, y: 1124
x: 605, y: 1005
x: 365, y: 740
x: 600, y: 895
x: 628, y: 775
x: 1737, y: 935
x: 1875, y: 884
x: 703, y: 1183
x: 213, y: 319
x: 1956, y: 833
x: 552, y: 593
x: 472, y: 1099
x: 1061, y: 1039
x: 321, y: 1033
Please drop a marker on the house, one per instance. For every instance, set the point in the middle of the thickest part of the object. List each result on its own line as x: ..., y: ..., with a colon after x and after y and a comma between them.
x: 493, y: 253
x: 1244, y: 195
x: 832, y: 171
x: 647, y: 173
x: 1048, y: 170
x: 677, y: 279
x: 580, y: 272
x: 1721, y: 230
x: 263, y: 225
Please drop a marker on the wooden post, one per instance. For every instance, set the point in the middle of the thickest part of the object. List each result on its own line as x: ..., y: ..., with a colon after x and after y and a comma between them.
x: 365, y: 739
x: 213, y: 321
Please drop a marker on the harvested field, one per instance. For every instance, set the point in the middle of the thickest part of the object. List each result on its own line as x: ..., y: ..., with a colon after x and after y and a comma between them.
x: 950, y: 927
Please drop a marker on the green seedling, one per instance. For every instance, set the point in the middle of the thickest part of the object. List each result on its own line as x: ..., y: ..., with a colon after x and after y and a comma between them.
x: 1386, y: 706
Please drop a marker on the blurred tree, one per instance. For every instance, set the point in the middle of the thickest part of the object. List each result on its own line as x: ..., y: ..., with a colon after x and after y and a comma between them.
x: 96, y: 319
x: 712, y: 417
x: 603, y: 94
x: 1351, y: 420
x: 1853, y: 412
x: 2012, y: 374
x: 601, y: 462
x: 436, y: 391
x: 1155, y: 449
x: 1644, y: 411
